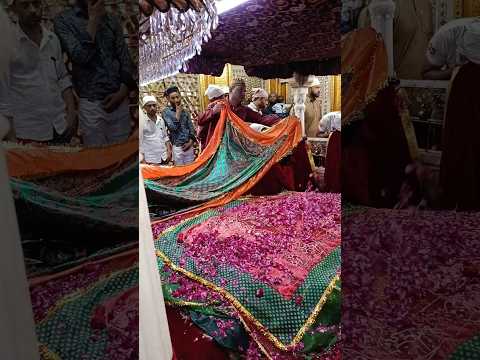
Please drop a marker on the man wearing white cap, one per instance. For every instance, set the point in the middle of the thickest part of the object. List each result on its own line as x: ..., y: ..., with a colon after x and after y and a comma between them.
x: 206, y: 128
x: 454, y: 44
x: 313, y: 109
x: 457, y: 44
x: 155, y: 146
x: 259, y: 100
x: 331, y: 122
x: 214, y: 92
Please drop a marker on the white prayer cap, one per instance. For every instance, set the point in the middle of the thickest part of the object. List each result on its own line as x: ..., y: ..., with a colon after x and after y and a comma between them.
x: 337, y: 121
x: 469, y: 44
x: 315, y: 82
x: 149, y: 99
x: 214, y: 91
x: 259, y: 93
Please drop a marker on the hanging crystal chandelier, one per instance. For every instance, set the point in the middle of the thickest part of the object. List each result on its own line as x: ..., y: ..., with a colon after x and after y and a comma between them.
x: 171, y: 35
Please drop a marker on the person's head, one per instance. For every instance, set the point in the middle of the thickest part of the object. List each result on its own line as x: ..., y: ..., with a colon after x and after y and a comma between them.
x: 272, y: 98
x: 260, y: 98
x: 29, y: 12
x: 150, y: 105
x: 280, y: 99
x: 215, y: 93
x: 173, y: 96
x: 315, y: 89
x: 83, y: 4
x: 237, y: 92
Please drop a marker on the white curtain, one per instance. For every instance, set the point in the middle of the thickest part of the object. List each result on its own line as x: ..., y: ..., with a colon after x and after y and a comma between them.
x: 155, y: 341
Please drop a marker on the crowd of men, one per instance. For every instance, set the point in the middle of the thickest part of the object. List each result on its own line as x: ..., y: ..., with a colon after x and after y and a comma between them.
x: 169, y: 136
x: 48, y: 105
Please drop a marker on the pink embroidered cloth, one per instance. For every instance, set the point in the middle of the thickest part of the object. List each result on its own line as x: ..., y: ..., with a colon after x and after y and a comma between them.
x: 278, y: 240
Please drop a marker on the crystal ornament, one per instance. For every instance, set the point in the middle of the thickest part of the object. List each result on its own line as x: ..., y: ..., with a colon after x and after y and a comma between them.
x: 172, y: 38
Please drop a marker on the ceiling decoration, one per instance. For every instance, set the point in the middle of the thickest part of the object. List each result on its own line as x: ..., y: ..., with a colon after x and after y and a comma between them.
x: 171, y: 33
x: 274, y: 38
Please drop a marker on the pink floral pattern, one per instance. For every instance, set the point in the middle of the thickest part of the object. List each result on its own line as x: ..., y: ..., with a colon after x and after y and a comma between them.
x: 410, y: 284
x: 277, y: 240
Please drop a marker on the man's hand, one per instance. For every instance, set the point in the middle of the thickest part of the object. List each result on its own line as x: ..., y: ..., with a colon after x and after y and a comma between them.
x: 113, y: 101
x: 218, y: 108
x: 96, y: 12
x: 169, y: 156
x: 178, y: 111
x: 10, y: 136
x: 187, y: 145
x: 96, y: 9
x: 71, y: 118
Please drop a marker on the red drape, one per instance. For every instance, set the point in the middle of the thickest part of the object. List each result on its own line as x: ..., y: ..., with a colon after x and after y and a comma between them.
x: 460, y: 164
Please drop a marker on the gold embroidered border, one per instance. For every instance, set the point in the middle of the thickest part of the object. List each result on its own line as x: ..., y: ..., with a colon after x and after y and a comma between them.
x: 354, y: 116
x: 233, y: 300
x: 47, y: 354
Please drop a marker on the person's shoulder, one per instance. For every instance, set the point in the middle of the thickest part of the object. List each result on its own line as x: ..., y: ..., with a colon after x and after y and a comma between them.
x: 65, y: 15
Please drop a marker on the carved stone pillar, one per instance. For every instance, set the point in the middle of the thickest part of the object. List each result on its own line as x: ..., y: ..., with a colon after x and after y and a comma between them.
x: 300, y: 85
x: 381, y: 14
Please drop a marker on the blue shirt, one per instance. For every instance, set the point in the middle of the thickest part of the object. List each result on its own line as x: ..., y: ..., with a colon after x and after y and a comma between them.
x: 99, y: 67
x: 179, y: 131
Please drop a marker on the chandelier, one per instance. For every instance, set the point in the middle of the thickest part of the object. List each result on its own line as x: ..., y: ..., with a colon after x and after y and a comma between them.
x: 171, y: 33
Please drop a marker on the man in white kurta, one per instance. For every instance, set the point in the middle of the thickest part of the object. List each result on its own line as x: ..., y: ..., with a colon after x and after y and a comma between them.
x: 155, y: 145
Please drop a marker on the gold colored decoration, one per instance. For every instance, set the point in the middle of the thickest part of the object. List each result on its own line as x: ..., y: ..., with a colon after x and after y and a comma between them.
x: 188, y: 85
x: 230, y: 72
x: 467, y: 8
x: 336, y: 92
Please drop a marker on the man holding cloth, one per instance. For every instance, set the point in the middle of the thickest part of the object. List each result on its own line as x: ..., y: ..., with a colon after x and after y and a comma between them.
x: 205, y: 128
x: 155, y: 146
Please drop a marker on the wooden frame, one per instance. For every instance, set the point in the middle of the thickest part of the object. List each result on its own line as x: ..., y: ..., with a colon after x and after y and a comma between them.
x: 467, y: 8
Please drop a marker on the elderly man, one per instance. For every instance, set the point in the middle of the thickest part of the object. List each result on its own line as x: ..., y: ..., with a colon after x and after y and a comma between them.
x: 458, y: 44
x: 37, y: 95
x: 206, y: 129
x: 155, y: 146
x: 259, y: 100
x: 236, y: 96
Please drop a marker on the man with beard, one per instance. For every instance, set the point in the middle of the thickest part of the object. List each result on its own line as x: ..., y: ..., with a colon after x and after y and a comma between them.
x: 412, y: 29
x: 235, y: 98
x: 37, y: 95
x: 313, y: 109
x: 102, y: 68
x: 272, y: 100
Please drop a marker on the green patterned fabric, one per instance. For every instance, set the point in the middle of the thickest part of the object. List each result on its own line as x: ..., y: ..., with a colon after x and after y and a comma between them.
x: 115, y: 203
x: 67, y: 332
x: 236, y: 160
x: 469, y: 350
x: 283, y: 318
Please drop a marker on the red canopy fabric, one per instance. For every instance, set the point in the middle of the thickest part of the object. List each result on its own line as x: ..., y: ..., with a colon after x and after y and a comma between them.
x: 274, y: 38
